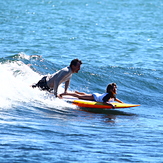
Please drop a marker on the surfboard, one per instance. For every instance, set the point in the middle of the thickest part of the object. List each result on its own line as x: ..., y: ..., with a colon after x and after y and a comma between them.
x: 100, y: 105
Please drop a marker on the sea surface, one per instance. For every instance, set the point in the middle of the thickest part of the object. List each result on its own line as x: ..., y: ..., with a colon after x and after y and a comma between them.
x: 118, y: 41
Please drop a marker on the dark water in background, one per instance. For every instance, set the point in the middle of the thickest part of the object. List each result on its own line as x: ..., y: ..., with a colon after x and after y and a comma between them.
x: 118, y: 41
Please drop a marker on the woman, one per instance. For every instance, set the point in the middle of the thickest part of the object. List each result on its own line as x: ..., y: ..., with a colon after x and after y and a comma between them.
x: 109, y: 96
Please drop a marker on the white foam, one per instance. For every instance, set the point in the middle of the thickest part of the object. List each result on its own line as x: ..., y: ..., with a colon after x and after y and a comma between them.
x: 15, y: 88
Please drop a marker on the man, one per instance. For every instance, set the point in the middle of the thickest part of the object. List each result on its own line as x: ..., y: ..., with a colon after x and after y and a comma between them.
x: 52, y: 82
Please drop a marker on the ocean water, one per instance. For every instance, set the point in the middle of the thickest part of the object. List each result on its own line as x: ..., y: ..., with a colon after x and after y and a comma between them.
x: 118, y: 41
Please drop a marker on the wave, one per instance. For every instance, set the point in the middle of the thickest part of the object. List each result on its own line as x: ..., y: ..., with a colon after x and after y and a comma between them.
x: 19, y: 71
x: 17, y: 74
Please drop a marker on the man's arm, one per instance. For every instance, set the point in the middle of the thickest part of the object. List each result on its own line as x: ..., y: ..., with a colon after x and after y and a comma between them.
x: 56, y: 88
x: 66, y: 85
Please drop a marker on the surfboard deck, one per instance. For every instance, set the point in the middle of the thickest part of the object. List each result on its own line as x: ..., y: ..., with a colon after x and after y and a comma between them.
x: 100, y: 105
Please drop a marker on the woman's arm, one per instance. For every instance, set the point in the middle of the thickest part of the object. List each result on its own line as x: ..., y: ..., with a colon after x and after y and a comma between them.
x: 118, y: 100
x: 107, y: 103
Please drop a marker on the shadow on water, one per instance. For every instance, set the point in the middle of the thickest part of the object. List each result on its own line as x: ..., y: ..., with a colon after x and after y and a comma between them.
x: 107, y: 111
x: 109, y: 114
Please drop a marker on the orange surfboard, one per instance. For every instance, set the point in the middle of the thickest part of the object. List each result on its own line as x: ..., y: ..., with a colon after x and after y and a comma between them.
x: 94, y: 104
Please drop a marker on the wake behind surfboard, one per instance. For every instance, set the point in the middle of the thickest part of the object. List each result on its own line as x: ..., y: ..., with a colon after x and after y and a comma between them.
x: 100, y: 105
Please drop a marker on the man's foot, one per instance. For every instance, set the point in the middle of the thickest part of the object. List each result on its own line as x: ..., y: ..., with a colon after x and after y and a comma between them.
x: 34, y: 86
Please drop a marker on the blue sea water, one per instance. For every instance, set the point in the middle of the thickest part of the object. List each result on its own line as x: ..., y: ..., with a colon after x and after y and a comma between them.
x: 118, y: 41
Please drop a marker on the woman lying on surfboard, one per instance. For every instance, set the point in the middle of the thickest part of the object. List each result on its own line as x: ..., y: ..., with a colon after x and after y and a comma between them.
x: 111, y: 91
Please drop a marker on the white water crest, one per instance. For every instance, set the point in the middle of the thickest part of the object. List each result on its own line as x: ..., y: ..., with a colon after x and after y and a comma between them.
x: 15, y: 86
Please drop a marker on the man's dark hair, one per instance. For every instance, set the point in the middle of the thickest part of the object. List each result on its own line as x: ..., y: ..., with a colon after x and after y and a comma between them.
x: 75, y: 61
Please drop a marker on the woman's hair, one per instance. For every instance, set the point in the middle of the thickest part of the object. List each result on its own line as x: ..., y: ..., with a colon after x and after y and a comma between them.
x: 110, y: 87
